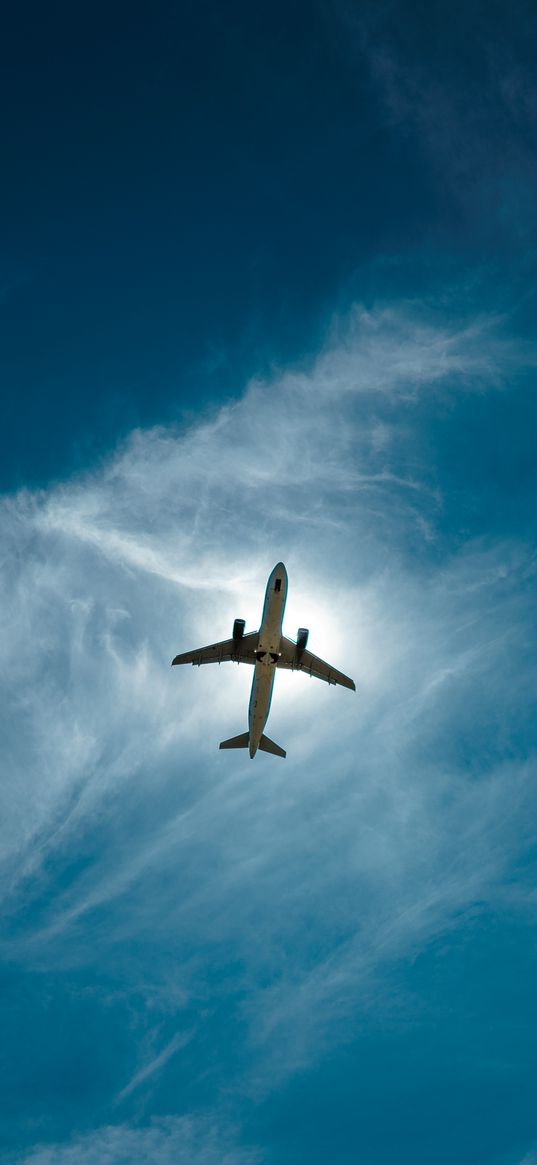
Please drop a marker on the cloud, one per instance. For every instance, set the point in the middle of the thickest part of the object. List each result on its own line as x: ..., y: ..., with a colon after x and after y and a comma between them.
x: 153, y: 1065
x: 169, y: 1141
x: 99, y: 569
x: 469, y: 112
x: 107, y: 576
x: 398, y: 812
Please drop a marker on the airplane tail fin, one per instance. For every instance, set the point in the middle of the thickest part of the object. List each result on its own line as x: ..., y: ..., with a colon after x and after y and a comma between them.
x: 267, y: 745
x: 243, y: 741
x: 237, y: 741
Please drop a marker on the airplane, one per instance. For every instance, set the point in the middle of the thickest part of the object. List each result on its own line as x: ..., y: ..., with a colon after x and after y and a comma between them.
x: 266, y: 649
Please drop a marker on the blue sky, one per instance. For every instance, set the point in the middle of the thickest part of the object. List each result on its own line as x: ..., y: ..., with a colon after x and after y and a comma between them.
x: 268, y: 293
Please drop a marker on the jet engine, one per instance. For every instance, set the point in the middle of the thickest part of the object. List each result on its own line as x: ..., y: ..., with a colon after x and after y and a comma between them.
x: 301, y: 638
x: 238, y: 629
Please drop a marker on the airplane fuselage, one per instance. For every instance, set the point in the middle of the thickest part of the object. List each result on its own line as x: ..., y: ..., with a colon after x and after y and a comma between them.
x: 270, y: 634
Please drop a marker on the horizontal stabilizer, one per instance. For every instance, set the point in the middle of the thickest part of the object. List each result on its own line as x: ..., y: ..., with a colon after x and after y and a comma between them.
x: 237, y: 741
x: 267, y: 745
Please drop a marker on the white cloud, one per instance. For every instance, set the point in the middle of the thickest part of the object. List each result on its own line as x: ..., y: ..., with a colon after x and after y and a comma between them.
x: 378, y: 828
x: 169, y: 1141
x: 105, y: 577
x: 472, y: 124
x: 154, y: 1064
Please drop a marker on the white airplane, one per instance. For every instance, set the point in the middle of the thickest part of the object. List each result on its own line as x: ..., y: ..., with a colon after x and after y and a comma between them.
x: 266, y: 649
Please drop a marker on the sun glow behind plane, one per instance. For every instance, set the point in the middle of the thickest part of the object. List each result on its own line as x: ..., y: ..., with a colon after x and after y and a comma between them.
x: 270, y: 652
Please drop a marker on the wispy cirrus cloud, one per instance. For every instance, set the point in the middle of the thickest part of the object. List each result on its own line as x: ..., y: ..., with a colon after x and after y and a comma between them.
x: 468, y: 113
x: 198, y: 511
x: 153, y: 1064
x: 397, y: 812
x: 164, y: 1142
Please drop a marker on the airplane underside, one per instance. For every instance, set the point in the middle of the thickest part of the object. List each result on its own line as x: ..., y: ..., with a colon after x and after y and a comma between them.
x: 267, y: 649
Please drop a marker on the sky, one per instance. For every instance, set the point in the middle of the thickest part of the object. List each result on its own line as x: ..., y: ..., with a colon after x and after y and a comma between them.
x: 267, y: 292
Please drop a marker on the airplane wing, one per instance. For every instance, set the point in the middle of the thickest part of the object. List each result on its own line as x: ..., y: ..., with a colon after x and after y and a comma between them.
x: 304, y: 660
x: 240, y: 650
